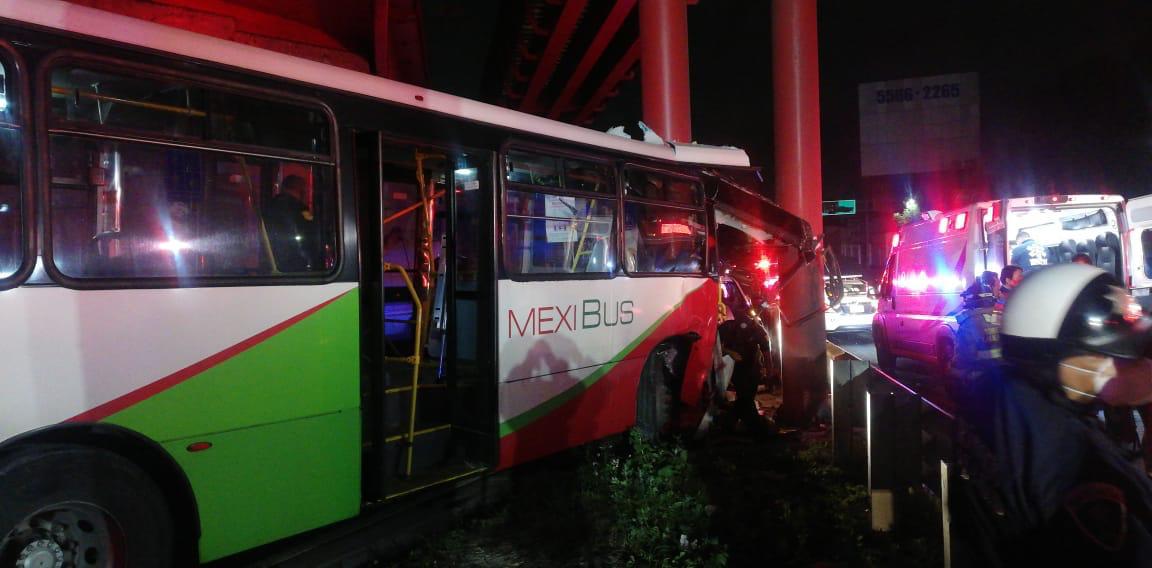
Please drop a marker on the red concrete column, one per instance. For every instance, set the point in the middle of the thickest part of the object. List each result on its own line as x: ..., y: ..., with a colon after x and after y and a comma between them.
x: 796, y: 105
x: 664, y: 68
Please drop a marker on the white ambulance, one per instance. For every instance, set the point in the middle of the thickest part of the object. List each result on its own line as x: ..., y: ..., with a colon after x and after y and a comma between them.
x: 934, y: 260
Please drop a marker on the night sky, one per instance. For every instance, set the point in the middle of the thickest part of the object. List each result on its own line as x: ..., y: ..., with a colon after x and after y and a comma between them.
x: 1065, y: 87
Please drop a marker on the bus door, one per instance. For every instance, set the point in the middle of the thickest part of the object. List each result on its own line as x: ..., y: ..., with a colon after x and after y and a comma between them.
x: 1139, y: 258
x: 429, y: 388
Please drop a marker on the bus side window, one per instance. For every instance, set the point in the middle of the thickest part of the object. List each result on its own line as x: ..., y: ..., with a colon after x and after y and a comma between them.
x: 11, y: 182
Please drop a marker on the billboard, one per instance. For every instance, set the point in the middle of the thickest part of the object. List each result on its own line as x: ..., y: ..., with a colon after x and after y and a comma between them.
x: 923, y: 124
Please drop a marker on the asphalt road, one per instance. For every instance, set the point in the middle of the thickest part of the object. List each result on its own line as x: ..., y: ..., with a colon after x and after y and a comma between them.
x: 917, y: 375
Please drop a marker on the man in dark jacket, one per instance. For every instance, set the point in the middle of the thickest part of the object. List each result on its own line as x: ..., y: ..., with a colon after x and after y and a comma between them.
x: 1056, y: 488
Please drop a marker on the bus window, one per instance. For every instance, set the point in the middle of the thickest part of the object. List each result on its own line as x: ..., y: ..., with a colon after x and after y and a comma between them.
x: 533, y: 169
x: 588, y: 176
x: 558, y: 219
x: 557, y: 234
x: 84, y: 97
x: 95, y: 99
x: 136, y: 210
x: 11, y: 158
x: 652, y: 185
x: 663, y: 239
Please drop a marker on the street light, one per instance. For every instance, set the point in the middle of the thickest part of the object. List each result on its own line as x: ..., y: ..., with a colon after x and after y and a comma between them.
x: 910, y: 203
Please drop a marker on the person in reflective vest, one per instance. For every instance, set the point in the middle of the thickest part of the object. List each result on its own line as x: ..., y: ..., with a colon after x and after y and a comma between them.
x: 1044, y: 482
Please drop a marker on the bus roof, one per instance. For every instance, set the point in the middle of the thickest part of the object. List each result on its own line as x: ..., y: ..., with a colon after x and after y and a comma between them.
x: 126, y: 30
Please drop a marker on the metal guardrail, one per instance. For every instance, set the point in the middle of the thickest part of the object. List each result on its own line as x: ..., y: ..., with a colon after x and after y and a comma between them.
x: 903, y: 442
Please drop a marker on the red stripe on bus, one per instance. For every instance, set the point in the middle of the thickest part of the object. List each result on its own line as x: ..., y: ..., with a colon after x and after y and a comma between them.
x: 147, y: 391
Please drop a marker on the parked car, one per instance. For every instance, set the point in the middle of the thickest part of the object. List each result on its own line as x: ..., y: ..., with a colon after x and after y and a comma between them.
x: 856, y: 309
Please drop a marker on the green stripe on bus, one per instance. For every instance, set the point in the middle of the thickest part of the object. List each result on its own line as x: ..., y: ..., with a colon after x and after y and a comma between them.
x: 308, y: 369
x: 284, y: 423
x: 535, y: 413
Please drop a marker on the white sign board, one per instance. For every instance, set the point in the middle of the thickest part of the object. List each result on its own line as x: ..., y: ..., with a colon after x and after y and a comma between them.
x: 568, y: 222
x: 923, y: 124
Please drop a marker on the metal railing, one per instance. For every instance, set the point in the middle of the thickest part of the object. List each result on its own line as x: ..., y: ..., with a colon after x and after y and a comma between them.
x: 903, y: 442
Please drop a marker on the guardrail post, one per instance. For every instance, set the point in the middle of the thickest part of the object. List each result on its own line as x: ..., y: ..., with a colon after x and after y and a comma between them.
x: 908, y: 453
x: 945, y: 510
x: 881, y: 479
x: 848, y: 413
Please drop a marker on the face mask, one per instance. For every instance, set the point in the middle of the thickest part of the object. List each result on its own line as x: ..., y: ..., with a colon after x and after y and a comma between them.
x: 1083, y: 377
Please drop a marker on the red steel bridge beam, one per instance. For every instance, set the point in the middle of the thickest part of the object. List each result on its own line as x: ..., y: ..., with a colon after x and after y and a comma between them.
x: 603, y: 37
x: 565, y: 25
x: 608, y: 88
x: 796, y: 106
x: 664, y: 68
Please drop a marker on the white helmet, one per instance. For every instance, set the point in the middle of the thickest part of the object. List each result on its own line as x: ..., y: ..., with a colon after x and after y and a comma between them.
x: 1072, y: 308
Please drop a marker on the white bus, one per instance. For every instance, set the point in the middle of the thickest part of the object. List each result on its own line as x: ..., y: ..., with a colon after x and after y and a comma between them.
x: 244, y: 295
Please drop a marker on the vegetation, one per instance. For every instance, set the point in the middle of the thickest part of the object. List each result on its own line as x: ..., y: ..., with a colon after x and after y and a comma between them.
x: 728, y: 501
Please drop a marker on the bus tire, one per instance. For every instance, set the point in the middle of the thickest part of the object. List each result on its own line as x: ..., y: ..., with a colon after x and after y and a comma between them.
x: 654, y: 409
x: 78, y: 506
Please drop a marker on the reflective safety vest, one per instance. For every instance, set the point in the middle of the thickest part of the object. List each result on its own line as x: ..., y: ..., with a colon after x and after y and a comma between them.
x: 978, y: 340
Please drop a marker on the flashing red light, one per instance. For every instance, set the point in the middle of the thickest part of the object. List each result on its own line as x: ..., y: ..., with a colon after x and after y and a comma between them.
x: 675, y: 229
x: 961, y: 220
x: 764, y: 264
x: 895, y: 240
x: 996, y: 211
x: 942, y: 226
x: 771, y: 281
x: 1055, y: 199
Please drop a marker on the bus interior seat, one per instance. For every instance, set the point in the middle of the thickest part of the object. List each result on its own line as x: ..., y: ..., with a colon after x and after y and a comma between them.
x: 1087, y: 246
x: 1113, y: 241
x: 1105, y: 254
x: 1066, y: 250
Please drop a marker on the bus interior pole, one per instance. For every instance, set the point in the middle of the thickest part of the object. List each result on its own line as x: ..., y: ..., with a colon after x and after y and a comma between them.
x: 796, y: 111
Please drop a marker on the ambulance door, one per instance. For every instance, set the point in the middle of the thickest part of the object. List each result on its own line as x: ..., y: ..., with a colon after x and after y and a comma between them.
x: 1138, y: 213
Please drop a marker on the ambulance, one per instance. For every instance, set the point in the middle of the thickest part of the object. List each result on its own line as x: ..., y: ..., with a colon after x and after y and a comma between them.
x: 934, y: 260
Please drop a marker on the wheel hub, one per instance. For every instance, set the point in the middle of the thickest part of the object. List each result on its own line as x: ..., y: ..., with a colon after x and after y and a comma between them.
x: 41, y: 553
x: 71, y: 536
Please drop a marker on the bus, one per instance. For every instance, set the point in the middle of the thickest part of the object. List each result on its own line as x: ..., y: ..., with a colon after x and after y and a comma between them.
x: 244, y: 295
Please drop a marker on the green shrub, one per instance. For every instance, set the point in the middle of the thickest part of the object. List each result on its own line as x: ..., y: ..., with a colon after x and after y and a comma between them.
x: 647, y: 507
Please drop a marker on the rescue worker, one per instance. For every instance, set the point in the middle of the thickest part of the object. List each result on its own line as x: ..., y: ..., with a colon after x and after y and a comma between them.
x: 1029, y: 254
x: 978, y: 332
x: 1010, y: 277
x: 1055, y: 487
x: 740, y: 342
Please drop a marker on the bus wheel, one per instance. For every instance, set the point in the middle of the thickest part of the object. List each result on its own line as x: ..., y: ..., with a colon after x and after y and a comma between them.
x: 654, y: 399
x: 74, y: 506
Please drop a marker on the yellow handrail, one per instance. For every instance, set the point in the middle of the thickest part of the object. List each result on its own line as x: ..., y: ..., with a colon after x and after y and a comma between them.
x: 583, y: 235
x: 414, y: 359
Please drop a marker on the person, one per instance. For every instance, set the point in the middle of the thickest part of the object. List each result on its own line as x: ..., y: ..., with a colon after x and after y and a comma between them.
x: 1010, y: 277
x: 291, y: 229
x: 739, y: 341
x: 983, y: 292
x: 1028, y: 254
x: 1052, y: 486
x: 977, y: 330
x: 1082, y: 258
